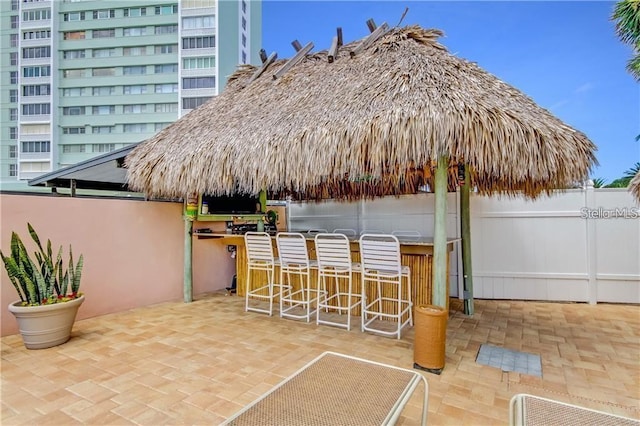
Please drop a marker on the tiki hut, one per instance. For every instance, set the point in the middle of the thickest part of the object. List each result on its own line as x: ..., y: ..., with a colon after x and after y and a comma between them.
x: 384, y: 115
x: 368, y: 118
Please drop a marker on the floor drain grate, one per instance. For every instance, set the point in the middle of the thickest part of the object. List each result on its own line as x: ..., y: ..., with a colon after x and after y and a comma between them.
x: 509, y: 360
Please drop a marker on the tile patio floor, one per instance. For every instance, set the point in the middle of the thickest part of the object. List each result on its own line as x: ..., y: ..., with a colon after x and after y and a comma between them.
x: 198, y: 363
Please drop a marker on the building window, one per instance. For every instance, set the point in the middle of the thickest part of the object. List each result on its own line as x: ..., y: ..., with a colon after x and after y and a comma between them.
x: 73, y: 92
x: 36, y: 35
x: 36, y: 109
x: 73, y: 54
x: 160, y: 126
x: 38, y: 71
x: 14, y: 4
x: 35, y: 129
x: 74, y: 35
x: 36, y: 90
x: 135, y: 31
x: 14, y: 22
x: 13, y: 114
x: 104, y: 14
x: 103, y: 109
x: 244, y: 6
x: 136, y: 89
x: 103, y: 147
x: 103, y: 72
x: 108, y: 33
x: 13, y: 135
x: 166, y: 68
x: 191, y: 103
x: 196, y: 22
x: 198, y: 63
x: 167, y: 10
x: 198, y: 82
x: 104, y: 90
x: 73, y: 73
x: 36, y: 52
x: 103, y: 53
x: 13, y: 40
x: 73, y: 130
x: 13, y: 58
x: 134, y: 70
x: 13, y: 96
x: 36, y: 15
x: 74, y: 16
x: 166, y: 88
x: 101, y: 129
x: 75, y: 110
x: 73, y: 149
x: 244, y: 23
x: 13, y: 170
x: 36, y: 146
x: 134, y: 51
x: 134, y: 109
x: 168, y: 107
x: 135, y: 12
x: 135, y: 128
x: 198, y: 42
x: 244, y: 57
x: 166, y: 29
x: 167, y: 48
x: 244, y: 40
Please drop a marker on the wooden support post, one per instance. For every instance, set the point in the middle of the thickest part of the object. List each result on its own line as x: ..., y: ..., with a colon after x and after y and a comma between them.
x: 72, y: 187
x: 336, y: 42
x: 188, y: 268
x: 370, y: 39
x: 264, y: 66
x: 465, y: 227
x: 440, y: 279
x: 263, y: 56
x: 297, y: 58
x: 296, y: 45
x: 371, y: 25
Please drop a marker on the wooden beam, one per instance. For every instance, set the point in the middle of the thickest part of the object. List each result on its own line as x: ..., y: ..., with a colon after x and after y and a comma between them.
x: 333, y: 50
x: 296, y: 45
x: 440, y: 279
x: 263, y: 56
x: 372, y: 25
x: 264, y: 66
x: 291, y: 62
x: 339, y: 34
x: 370, y: 39
x: 465, y: 226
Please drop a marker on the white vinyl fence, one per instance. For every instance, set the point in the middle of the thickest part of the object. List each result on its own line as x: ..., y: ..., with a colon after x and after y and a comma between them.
x: 579, y: 245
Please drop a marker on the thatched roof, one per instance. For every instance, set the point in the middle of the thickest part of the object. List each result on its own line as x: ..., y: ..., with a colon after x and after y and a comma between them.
x: 634, y: 186
x: 371, y: 124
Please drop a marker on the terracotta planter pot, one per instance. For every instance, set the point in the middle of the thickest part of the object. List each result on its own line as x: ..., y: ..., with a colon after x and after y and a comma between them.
x: 47, y: 325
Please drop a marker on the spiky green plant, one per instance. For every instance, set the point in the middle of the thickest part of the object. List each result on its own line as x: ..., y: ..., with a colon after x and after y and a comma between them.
x: 45, y: 280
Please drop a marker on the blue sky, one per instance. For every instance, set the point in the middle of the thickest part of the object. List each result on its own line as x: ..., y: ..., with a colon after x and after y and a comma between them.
x: 565, y: 55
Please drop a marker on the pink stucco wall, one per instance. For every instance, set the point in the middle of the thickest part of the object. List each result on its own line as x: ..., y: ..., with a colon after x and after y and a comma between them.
x: 133, y: 250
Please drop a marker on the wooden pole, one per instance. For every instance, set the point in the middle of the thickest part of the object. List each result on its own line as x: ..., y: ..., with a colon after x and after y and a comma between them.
x: 188, y: 245
x: 465, y: 227
x: 440, y: 279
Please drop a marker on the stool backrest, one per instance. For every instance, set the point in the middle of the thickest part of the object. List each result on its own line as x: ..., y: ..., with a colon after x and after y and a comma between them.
x: 380, y: 252
x: 292, y: 248
x: 333, y: 250
x: 259, y: 247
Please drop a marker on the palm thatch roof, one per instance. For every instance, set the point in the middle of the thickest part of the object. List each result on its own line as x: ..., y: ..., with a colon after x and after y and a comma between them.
x: 634, y: 186
x: 365, y: 124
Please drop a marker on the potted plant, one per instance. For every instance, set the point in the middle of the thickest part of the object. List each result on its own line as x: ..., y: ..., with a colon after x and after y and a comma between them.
x: 49, y: 292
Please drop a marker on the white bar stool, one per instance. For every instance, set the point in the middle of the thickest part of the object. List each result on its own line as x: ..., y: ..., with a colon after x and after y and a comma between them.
x: 299, y: 300
x: 260, y: 258
x: 333, y: 252
x: 382, y: 270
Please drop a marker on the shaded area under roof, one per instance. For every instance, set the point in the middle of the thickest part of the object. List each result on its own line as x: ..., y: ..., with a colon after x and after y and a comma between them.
x: 104, y: 172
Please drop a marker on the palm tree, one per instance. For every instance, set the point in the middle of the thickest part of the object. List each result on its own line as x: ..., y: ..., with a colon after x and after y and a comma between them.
x: 624, y: 181
x: 626, y: 14
x: 598, y: 182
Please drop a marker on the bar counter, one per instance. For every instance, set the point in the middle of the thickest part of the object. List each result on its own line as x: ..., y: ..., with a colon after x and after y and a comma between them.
x: 417, y: 253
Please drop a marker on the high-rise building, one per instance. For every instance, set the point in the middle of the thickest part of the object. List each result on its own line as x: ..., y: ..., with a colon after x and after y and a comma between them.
x: 84, y: 77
